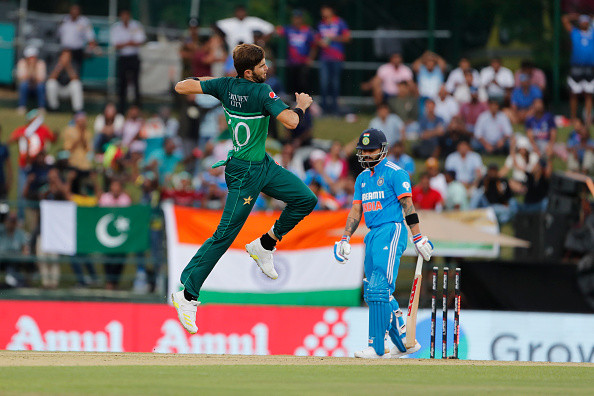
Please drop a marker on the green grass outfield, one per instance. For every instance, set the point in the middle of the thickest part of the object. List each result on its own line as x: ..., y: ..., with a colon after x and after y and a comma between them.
x: 37, y: 373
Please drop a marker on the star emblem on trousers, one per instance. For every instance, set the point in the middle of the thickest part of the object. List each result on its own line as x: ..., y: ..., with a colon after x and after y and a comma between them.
x: 247, y: 201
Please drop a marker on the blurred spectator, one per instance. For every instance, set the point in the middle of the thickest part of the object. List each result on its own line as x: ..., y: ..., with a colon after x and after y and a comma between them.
x: 457, y: 196
x: 13, y: 244
x: 455, y: 132
x: 445, y: 105
x: 467, y: 164
x: 541, y: 129
x: 581, y: 74
x: 317, y: 173
x: 131, y: 136
x: 522, y: 99
x: 108, y: 125
x: 406, y: 106
x: 325, y: 200
x: 497, y: 80
x: 163, y: 161
x: 535, y: 75
x: 200, y: 60
x: 400, y: 158
x: 425, y: 197
x: 470, y: 111
x: 115, y: 197
x: 580, y: 147
x: 492, y: 130
x: 159, y: 126
x: 78, y: 141
x: 181, y: 192
x: 429, y: 68
x: 241, y: 28
x: 390, y: 124
x: 64, y: 82
x: 127, y: 36
x: 384, y: 84
x: 291, y: 162
x: 31, y: 73
x: 333, y: 34
x: 494, y: 192
x: 31, y: 140
x: 217, y: 54
x: 464, y: 92
x: 537, y: 187
x: 75, y: 33
x: 437, y: 179
x: 521, y: 161
x: 37, y: 178
x: 190, y: 41
x: 5, y: 169
x: 300, y: 39
x: 151, y: 196
x: 335, y: 166
x: 457, y: 77
x: 432, y: 128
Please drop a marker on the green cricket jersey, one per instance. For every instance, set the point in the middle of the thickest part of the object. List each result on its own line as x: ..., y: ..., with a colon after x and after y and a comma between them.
x: 248, y: 107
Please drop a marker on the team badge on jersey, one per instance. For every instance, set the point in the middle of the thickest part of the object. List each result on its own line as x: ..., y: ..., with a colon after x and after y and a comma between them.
x: 380, y: 181
x: 273, y: 95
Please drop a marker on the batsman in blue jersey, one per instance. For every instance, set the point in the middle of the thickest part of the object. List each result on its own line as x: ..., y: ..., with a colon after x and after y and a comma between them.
x: 383, y: 193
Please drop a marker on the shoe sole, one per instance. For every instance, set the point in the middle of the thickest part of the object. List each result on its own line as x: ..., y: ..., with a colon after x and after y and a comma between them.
x: 402, y: 354
x: 384, y: 356
x: 257, y: 260
x: 176, y: 305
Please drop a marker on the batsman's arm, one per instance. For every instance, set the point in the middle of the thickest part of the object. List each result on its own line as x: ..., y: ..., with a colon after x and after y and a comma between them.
x: 353, y: 219
x: 408, y: 208
x: 190, y: 85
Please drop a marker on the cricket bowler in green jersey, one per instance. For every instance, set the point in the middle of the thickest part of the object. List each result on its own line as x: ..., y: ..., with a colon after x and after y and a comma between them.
x: 248, y: 104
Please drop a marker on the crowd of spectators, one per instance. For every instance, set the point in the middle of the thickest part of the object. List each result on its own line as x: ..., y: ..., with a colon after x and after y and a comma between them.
x: 448, y: 122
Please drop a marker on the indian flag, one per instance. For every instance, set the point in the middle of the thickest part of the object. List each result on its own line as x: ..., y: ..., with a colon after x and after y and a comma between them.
x: 304, y: 260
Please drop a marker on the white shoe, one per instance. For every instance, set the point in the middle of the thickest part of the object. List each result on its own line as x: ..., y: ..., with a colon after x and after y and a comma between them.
x: 186, y: 311
x: 395, y: 352
x: 369, y: 353
x: 263, y: 258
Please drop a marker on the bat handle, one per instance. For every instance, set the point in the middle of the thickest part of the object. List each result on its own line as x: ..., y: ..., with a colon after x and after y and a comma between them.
x: 419, y: 267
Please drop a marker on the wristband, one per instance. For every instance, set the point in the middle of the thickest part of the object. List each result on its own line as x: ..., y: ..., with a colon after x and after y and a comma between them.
x: 412, y: 219
x: 417, y: 238
x: 345, y: 238
x: 192, y: 78
x: 300, y: 113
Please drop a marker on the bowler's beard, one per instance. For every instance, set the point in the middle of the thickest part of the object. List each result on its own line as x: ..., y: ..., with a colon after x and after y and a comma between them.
x: 259, y: 79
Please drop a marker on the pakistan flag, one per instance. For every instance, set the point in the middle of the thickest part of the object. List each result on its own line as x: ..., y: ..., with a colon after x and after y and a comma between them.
x: 68, y: 229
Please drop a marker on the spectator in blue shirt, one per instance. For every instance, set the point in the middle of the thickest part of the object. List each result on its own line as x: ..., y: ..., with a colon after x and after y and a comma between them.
x: 390, y: 124
x: 432, y: 128
x: 164, y: 161
x: 523, y: 98
x: 580, y: 147
x: 400, y: 158
x: 541, y: 130
x: 300, y: 45
x: 581, y: 74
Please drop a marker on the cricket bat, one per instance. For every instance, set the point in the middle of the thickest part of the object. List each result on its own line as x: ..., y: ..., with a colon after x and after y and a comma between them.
x: 413, y: 305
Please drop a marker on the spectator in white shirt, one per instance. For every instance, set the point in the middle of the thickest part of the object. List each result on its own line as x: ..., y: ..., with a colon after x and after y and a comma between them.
x: 456, y: 77
x: 390, y: 124
x: 437, y: 180
x: 76, y: 32
x: 127, y: 36
x: 492, y: 130
x: 31, y: 74
x: 241, y: 28
x: 497, y: 80
x: 520, y: 161
x: 467, y: 164
x: 389, y: 75
x: 445, y: 105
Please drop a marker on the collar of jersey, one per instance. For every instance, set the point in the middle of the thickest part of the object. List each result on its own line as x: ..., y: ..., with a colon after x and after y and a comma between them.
x: 379, y: 167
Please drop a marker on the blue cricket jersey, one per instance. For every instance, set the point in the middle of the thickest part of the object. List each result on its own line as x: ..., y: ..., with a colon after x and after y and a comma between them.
x: 582, y: 47
x: 380, y: 191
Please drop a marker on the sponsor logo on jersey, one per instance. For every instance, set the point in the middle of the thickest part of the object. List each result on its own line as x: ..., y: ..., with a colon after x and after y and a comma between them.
x: 273, y: 95
x: 372, y: 195
x: 406, y: 185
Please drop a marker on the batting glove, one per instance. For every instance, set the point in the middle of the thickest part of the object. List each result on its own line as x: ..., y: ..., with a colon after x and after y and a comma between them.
x: 342, y: 249
x: 423, y: 246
